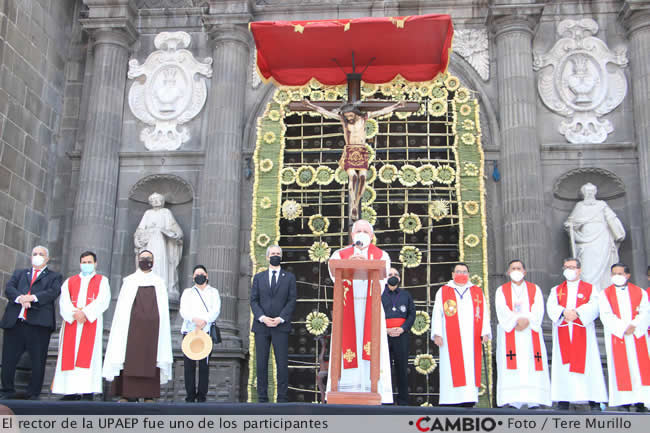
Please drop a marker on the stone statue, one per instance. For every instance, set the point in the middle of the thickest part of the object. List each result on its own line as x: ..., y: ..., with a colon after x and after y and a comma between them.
x: 159, y: 233
x: 596, y: 234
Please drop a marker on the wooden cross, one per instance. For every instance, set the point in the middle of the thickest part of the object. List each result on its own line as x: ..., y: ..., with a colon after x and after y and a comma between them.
x: 511, y: 355
x: 354, y: 126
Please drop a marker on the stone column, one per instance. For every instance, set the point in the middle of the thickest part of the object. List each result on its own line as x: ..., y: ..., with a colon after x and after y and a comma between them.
x: 636, y: 18
x: 94, y: 210
x: 220, y: 198
x: 521, y: 171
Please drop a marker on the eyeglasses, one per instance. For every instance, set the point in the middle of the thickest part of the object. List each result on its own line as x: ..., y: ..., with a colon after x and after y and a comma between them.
x: 462, y: 272
x: 570, y: 267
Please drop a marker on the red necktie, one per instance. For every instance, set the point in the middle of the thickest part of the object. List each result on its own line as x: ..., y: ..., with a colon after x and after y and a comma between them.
x: 34, y: 276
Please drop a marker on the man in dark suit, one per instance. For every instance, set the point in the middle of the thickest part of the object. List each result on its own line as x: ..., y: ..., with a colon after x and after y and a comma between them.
x: 273, y: 299
x: 28, y: 321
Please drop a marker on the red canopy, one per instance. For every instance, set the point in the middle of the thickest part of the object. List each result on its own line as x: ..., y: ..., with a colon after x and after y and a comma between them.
x: 292, y: 52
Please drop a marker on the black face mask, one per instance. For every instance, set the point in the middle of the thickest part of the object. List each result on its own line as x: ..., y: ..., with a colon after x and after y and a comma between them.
x: 200, y: 279
x: 275, y: 260
x: 393, y: 281
x: 145, y: 264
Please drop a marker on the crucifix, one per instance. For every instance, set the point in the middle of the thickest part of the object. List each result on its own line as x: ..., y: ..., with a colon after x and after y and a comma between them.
x: 511, y: 355
x: 353, y: 115
x: 538, y: 357
x: 560, y: 294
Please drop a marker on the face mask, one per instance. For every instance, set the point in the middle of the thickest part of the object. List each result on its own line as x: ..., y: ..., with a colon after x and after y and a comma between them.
x: 200, y: 279
x: 361, y: 240
x: 37, y: 261
x: 619, y: 280
x: 87, y: 268
x: 570, y: 274
x: 516, y: 276
x: 145, y: 264
x: 461, y: 279
x: 275, y: 260
x: 393, y: 281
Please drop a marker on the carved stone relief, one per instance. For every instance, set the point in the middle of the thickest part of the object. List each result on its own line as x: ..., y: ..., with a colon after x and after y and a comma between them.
x: 472, y: 45
x: 609, y: 185
x: 581, y: 79
x: 170, y: 89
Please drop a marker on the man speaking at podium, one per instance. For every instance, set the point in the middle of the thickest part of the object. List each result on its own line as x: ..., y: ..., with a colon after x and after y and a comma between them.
x: 355, y: 356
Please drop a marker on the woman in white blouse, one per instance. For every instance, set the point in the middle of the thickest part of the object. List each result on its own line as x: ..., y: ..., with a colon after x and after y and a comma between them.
x: 200, y: 306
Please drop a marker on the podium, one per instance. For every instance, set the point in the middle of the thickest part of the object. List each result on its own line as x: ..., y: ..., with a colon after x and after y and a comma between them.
x: 353, y: 269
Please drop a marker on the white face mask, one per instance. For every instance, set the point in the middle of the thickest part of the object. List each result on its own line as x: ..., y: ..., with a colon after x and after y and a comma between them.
x: 619, y: 280
x: 516, y: 276
x: 363, y: 238
x: 570, y: 274
x: 37, y: 261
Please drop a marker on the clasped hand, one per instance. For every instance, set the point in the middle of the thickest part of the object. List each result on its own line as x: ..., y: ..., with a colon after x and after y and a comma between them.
x: 79, y: 316
x: 200, y: 323
x: 522, y: 323
x: 395, y: 332
x: 272, y: 322
x: 26, y: 301
x: 570, y: 315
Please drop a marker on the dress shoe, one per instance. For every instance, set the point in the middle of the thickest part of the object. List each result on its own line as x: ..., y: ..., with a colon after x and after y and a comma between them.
x: 201, y: 399
x: 88, y: 397
x: 190, y: 399
x: 33, y: 397
x: 70, y: 397
x: 640, y: 407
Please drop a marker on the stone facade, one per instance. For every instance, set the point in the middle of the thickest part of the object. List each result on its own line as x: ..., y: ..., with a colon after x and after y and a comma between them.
x: 71, y: 155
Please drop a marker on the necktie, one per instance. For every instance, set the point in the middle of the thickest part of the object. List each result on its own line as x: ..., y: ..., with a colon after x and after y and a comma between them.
x: 34, y: 276
x: 274, y: 281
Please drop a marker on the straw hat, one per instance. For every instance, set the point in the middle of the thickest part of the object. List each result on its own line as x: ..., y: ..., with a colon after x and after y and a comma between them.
x: 197, y: 345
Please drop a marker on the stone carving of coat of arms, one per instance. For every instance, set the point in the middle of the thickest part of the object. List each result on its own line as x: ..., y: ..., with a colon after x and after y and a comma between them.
x: 170, y: 90
x: 582, y: 79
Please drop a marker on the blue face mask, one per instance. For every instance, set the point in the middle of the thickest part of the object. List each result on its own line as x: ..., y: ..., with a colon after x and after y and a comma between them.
x: 87, y: 268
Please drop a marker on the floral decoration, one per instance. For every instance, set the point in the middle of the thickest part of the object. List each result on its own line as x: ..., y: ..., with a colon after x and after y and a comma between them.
x: 439, y: 93
x: 369, y: 195
x: 452, y: 83
x: 318, y: 224
x: 424, y: 363
x: 438, y: 209
x: 471, y: 207
x: 476, y: 280
x: 468, y: 124
x: 269, y: 137
x: 319, y: 252
x: 468, y: 138
x: 446, y: 174
x: 287, y: 176
x: 341, y: 176
x: 410, y: 256
x: 282, y: 97
x: 371, y: 175
x: 263, y: 239
x: 462, y: 95
x: 470, y: 169
x: 437, y: 108
x: 266, y: 165
x: 305, y: 175
x: 427, y: 174
x: 421, y: 323
x: 291, y: 210
x: 472, y: 240
x: 324, y: 175
x: 369, y: 214
x: 372, y: 128
x: 410, y: 223
x: 274, y: 115
x: 408, y: 175
x: 388, y: 173
x: 465, y: 110
x: 317, y: 323
x: 266, y: 202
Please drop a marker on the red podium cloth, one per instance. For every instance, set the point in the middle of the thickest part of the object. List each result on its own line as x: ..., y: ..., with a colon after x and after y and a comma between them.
x: 293, y: 52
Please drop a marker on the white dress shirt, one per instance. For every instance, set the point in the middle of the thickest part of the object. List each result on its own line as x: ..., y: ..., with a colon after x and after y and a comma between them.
x: 191, y: 307
x: 21, y: 315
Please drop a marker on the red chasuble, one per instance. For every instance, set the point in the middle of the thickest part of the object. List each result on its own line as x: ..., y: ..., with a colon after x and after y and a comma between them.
x: 87, y: 342
x: 452, y: 327
x: 349, y: 339
x: 511, y: 361
x: 623, y: 381
x: 573, y: 350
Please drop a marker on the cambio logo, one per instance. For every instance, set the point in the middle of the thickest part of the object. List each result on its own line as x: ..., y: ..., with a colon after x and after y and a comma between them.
x: 425, y: 424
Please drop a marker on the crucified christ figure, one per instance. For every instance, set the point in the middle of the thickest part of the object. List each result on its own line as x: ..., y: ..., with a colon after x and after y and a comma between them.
x: 355, y: 155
